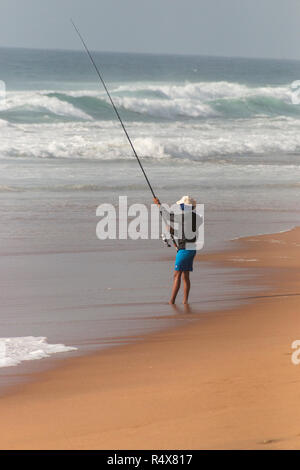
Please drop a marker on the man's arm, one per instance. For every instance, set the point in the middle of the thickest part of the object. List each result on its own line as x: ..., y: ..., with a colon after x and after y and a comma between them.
x: 165, y: 215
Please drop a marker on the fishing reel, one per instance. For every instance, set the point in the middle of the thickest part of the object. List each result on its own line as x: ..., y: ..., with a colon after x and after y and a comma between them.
x: 165, y: 240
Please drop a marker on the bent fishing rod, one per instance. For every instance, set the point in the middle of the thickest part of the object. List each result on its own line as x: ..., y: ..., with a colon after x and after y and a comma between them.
x: 122, y: 124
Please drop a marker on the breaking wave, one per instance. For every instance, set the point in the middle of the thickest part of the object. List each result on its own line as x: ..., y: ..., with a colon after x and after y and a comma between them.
x: 38, y: 106
x: 152, y: 102
x: 167, y: 122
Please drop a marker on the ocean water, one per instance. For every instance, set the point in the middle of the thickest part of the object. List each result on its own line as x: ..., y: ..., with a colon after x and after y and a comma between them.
x: 224, y: 130
x: 228, y: 127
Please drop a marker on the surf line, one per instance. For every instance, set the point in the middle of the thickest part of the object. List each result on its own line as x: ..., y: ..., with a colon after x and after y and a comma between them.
x: 123, y: 127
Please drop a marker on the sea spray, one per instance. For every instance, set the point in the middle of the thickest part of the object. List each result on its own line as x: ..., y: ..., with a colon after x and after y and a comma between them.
x: 13, y: 351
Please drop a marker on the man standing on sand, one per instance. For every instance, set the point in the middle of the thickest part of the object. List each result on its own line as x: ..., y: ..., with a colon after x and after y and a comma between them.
x: 184, y: 227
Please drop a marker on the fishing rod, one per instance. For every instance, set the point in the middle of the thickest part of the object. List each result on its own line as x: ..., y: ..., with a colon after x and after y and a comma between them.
x: 123, y: 127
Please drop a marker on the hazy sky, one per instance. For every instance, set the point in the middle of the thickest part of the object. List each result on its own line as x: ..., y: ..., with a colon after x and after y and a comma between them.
x: 250, y: 28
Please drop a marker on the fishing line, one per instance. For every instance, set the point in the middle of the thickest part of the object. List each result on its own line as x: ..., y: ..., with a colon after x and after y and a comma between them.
x: 118, y: 115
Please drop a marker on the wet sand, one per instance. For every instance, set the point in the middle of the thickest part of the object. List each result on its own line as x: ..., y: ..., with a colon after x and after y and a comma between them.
x: 224, y: 381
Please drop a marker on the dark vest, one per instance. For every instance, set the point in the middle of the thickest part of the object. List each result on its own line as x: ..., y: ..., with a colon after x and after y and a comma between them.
x: 183, y: 240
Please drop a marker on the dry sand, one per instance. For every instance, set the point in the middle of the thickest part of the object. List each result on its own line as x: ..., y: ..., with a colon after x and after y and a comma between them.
x: 224, y: 381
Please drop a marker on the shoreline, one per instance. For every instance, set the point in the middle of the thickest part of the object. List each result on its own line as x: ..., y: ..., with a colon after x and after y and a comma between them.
x: 182, y: 395
x: 147, y: 310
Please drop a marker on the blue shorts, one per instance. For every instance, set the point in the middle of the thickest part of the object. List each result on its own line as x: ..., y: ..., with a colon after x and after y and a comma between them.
x: 184, y: 260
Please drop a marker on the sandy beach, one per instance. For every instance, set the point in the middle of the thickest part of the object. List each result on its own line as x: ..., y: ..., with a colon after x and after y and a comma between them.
x: 101, y: 117
x: 223, y: 381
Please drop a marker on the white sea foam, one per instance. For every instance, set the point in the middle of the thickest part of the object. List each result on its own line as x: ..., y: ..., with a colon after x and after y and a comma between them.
x: 41, y: 101
x: 207, y: 91
x: 3, y: 123
x: 13, y: 351
x: 178, y: 140
x: 167, y: 108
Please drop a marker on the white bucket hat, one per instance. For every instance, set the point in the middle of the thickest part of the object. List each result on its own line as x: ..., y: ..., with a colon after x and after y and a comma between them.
x: 187, y: 200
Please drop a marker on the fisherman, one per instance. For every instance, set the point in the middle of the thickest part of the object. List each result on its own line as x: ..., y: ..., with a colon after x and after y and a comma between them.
x: 185, y: 255
x: 184, y: 227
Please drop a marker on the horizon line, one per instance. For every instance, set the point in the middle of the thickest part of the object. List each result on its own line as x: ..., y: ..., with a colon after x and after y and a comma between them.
x: 178, y: 54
